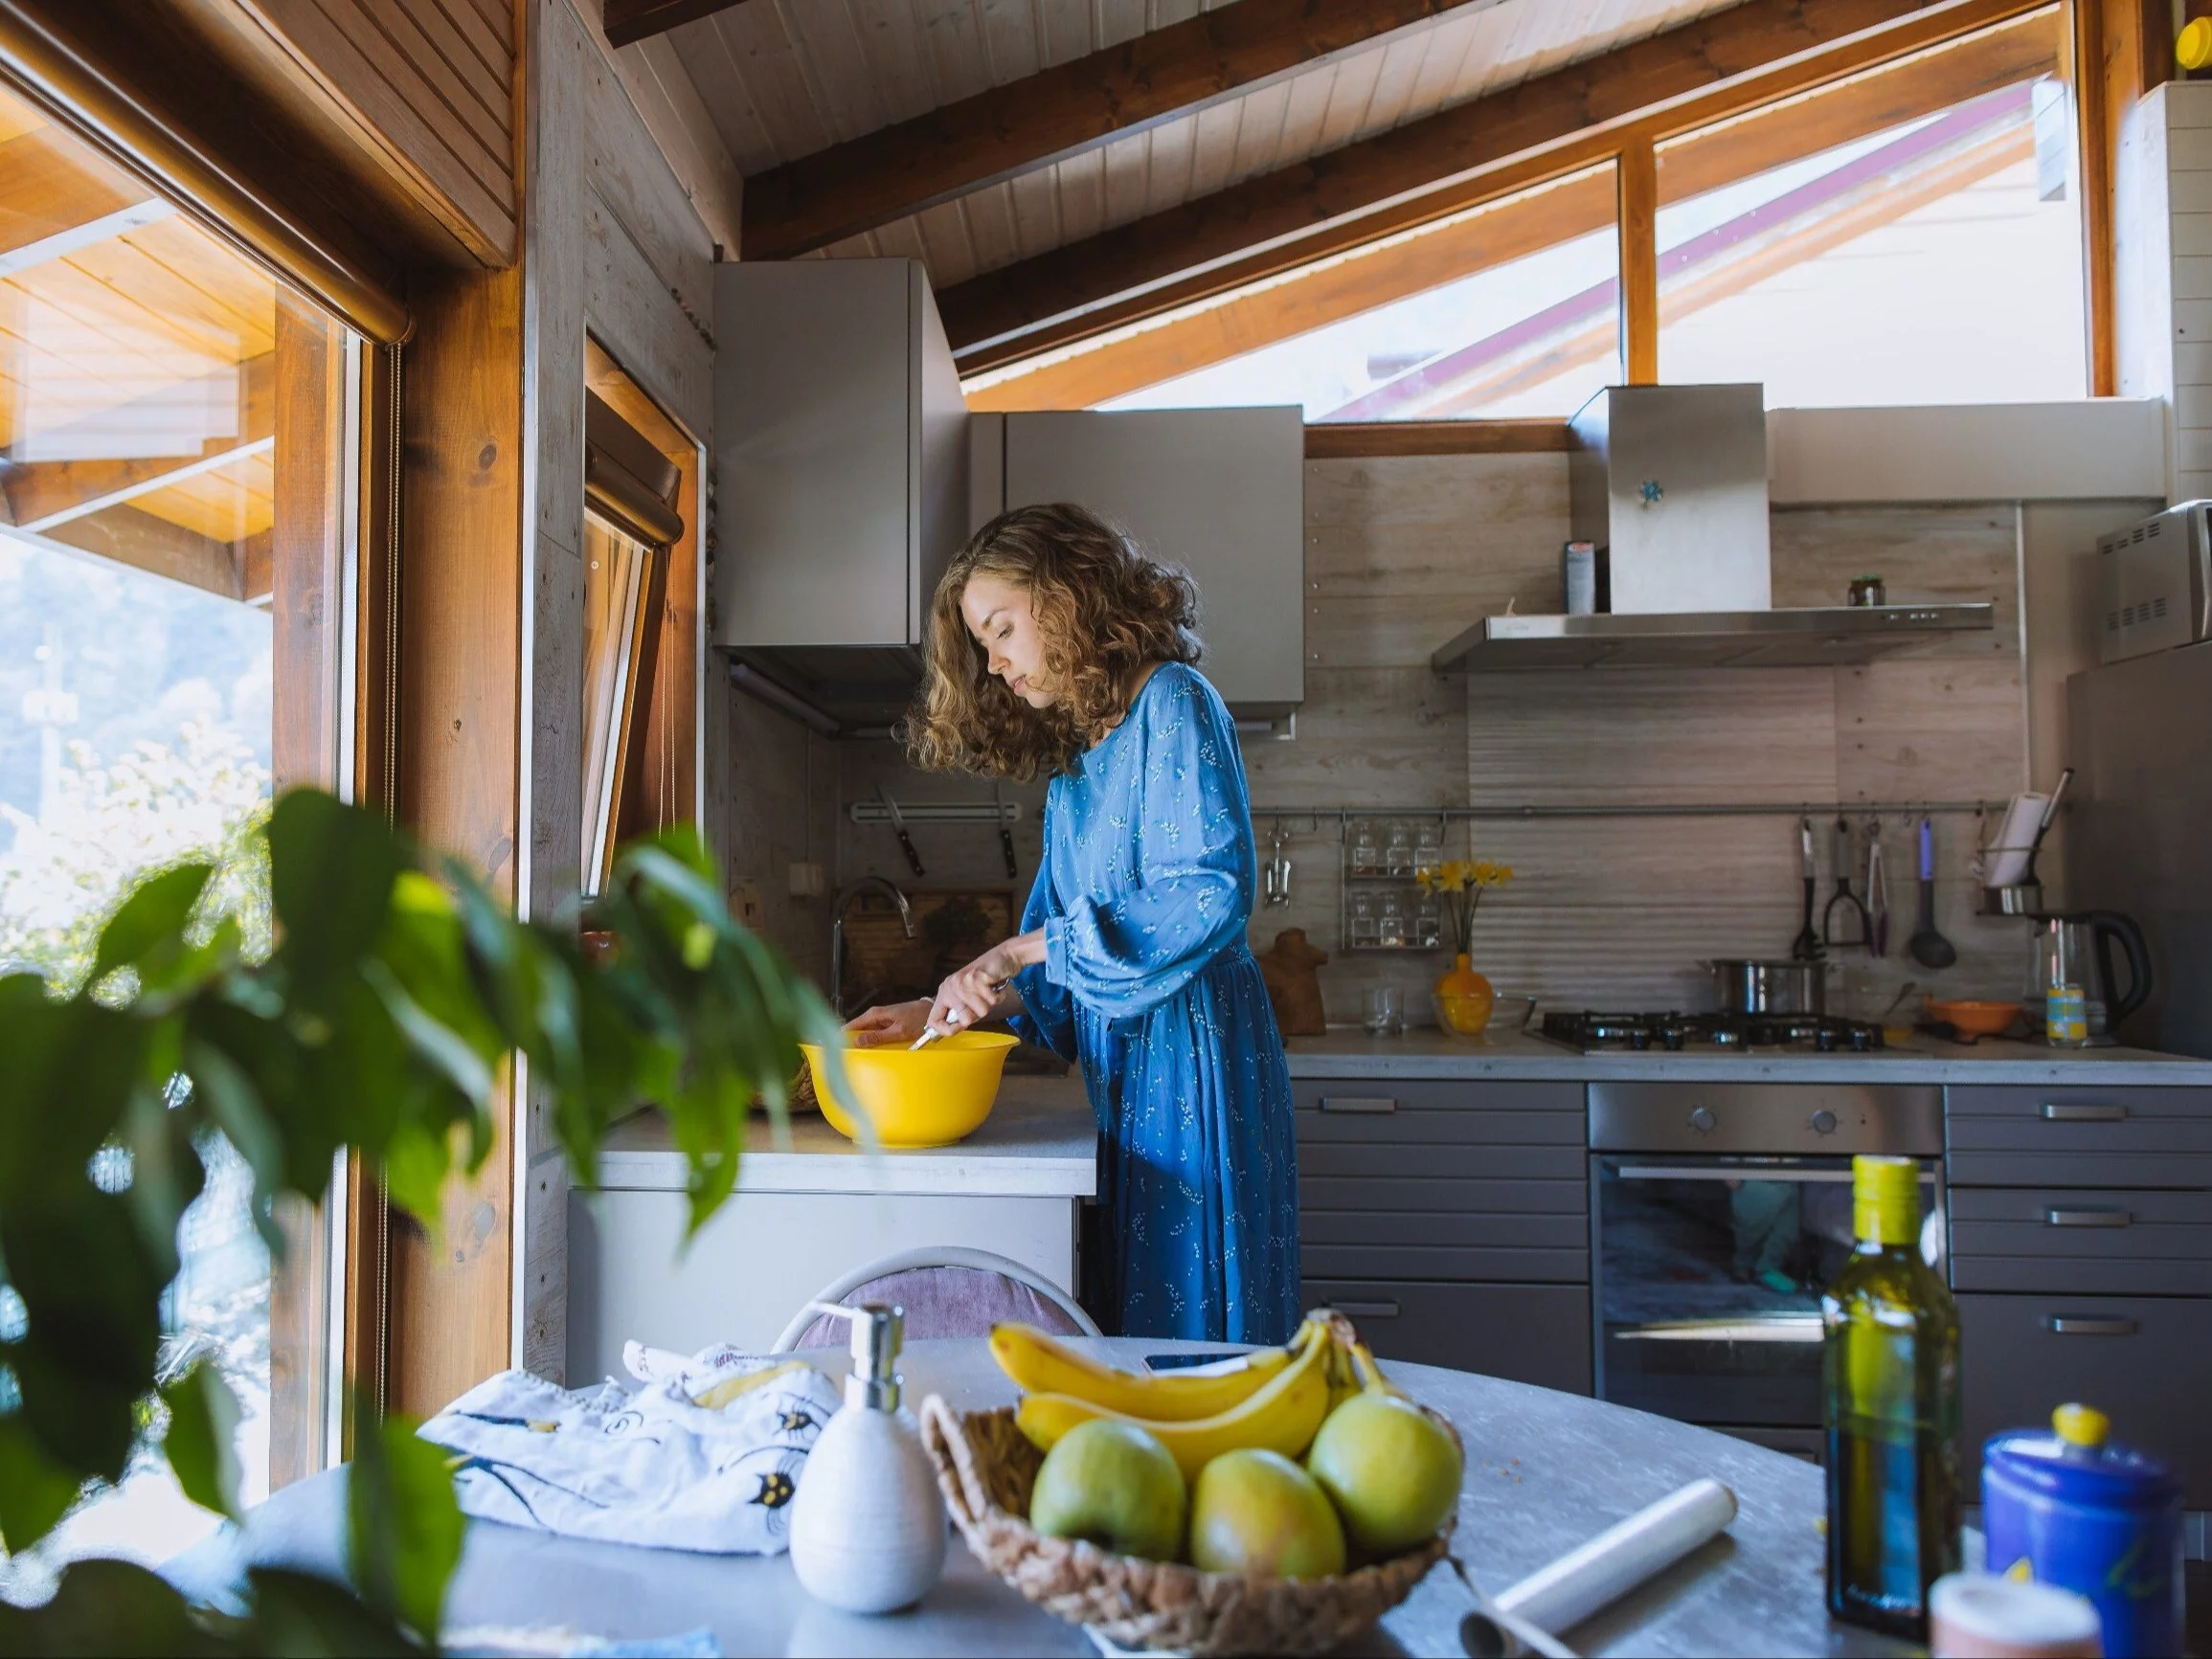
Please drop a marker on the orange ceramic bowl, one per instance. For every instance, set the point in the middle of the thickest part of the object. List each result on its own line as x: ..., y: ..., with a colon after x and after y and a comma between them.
x: 1972, y: 1020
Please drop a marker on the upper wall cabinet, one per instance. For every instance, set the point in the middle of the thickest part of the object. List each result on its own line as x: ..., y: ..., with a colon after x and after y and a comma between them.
x: 1218, y: 491
x: 841, y: 443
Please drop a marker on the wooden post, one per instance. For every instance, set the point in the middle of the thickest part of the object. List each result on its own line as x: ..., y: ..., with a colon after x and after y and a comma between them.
x: 1638, y: 171
x: 460, y: 761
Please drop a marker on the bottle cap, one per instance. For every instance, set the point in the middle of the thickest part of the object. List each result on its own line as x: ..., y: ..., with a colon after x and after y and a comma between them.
x: 1982, y: 1613
x: 878, y: 1332
x: 2082, y: 1425
x: 1886, y: 1199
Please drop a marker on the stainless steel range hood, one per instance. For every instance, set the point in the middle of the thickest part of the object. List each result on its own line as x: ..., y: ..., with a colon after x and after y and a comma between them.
x: 1829, y: 638
x: 1670, y: 483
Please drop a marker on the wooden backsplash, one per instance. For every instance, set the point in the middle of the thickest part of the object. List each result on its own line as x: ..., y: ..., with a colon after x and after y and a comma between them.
x: 1402, y: 554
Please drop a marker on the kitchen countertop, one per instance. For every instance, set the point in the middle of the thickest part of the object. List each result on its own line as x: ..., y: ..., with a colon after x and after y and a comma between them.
x: 1510, y: 1055
x: 1038, y: 1143
x: 1545, y: 1473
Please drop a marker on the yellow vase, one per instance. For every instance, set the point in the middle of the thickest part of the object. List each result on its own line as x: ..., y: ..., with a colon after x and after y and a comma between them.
x: 1463, y: 999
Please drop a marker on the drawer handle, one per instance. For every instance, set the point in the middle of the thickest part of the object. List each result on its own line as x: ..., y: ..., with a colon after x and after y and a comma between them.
x: 2084, y: 1325
x: 2087, y: 1218
x: 1366, y: 1310
x: 2056, y: 1112
x: 1357, y: 1102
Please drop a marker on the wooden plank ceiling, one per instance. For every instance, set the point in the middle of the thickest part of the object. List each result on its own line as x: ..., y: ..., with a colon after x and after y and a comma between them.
x: 793, y: 87
x: 1067, y: 168
x: 136, y: 372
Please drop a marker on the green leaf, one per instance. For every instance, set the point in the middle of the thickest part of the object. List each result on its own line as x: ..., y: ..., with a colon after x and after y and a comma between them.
x: 107, y: 1607
x: 444, y: 1049
x: 332, y: 867
x: 296, y: 1614
x: 149, y: 925
x: 235, y: 1106
x: 414, y: 1165
x: 406, y: 1525
x: 202, y: 1440
x: 35, y: 1492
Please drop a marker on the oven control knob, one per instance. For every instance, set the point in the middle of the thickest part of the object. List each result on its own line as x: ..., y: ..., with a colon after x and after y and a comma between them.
x: 1823, y: 1122
x: 1704, y: 1121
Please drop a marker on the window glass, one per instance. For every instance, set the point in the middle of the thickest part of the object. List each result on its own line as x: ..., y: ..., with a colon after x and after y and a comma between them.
x: 1526, y: 325
x: 152, y: 498
x: 1936, y: 261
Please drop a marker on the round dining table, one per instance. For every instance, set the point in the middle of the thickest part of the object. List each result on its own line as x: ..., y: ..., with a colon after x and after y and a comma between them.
x: 1545, y: 1471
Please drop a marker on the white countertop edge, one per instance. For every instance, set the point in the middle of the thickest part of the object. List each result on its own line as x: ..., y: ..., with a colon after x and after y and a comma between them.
x: 942, y: 1171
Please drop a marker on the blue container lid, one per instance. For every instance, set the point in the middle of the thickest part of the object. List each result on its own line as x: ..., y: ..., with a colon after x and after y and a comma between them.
x: 2074, y: 1462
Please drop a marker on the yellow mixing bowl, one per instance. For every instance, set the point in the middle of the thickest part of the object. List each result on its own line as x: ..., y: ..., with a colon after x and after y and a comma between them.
x: 917, y: 1097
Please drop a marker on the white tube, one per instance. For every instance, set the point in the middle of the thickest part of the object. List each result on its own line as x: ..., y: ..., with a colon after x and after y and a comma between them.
x: 1562, y: 1595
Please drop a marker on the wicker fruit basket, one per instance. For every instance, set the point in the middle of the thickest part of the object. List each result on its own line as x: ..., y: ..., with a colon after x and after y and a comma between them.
x: 986, y: 1467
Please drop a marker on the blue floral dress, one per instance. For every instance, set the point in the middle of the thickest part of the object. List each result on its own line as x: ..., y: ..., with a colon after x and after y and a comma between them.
x: 1144, y: 895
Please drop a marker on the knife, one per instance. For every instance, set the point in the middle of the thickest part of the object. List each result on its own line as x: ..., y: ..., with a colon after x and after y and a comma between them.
x: 1006, y: 835
x: 899, y: 827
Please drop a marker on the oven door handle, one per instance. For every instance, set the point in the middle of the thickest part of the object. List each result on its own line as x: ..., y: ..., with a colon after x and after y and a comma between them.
x: 1728, y: 1172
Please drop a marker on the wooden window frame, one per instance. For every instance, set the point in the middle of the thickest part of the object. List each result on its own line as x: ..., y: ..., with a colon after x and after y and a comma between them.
x: 2124, y: 50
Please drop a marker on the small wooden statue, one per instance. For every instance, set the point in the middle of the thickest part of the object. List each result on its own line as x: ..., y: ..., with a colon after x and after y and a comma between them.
x: 1292, y: 985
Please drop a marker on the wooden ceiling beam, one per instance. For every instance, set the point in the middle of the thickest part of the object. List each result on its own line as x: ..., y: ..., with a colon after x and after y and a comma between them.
x: 1722, y: 65
x: 628, y: 21
x: 896, y: 170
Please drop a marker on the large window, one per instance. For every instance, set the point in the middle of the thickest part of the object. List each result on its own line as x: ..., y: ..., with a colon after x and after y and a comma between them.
x: 172, y: 437
x: 1908, y: 235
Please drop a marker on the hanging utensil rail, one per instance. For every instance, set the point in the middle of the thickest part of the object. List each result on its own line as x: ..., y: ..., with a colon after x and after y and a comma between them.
x: 1532, y: 810
x: 937, y: 812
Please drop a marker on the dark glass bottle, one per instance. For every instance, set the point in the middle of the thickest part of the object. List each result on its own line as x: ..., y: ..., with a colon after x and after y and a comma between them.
x: 1891, y: 1391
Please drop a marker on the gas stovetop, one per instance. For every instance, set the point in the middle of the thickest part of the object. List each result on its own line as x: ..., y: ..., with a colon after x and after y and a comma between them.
x: 1593, y: 1033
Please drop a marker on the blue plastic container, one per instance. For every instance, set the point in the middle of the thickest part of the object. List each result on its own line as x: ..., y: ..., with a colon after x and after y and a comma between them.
x: 2063, y: 1507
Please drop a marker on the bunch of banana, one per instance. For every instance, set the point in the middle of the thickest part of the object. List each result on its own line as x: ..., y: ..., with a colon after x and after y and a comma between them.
x: 1280, y: 1411
x: 1039, y: 1364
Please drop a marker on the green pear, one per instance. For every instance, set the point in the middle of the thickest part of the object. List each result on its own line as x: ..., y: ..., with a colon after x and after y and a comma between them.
x: 1113, y: 1484
x: 1389, y: 1468
x: 1256, y: 1511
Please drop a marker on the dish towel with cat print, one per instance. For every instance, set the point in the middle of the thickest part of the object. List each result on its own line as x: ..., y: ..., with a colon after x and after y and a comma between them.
x: 667, y: 1466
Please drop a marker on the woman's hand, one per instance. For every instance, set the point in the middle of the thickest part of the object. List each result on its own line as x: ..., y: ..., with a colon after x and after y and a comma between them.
x: 978, y: 991
x: 893, y: 1022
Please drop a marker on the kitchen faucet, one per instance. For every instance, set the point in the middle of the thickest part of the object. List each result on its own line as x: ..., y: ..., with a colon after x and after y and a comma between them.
x: 865, y: 883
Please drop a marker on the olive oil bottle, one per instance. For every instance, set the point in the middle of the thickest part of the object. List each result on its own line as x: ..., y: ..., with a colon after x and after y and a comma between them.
x: 1891, y: 1383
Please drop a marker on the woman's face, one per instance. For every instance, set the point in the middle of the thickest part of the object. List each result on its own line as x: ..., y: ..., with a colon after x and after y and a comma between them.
x: 997, y: 614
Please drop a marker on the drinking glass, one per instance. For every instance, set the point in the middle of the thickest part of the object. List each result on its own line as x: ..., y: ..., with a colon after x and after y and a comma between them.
x: 1385, y: 1015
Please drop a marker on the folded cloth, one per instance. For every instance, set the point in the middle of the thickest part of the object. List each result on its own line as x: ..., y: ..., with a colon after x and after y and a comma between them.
x: 651, y: 1468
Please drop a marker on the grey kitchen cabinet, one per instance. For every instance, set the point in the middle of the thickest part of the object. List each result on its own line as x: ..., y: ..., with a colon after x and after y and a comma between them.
x: 1219, y: 491
x: 2010, y: 1136
x: 2081, y: 1238
x: 1537, y: 1333
x: 2145, y: 1361
x: 2081, y: 1256
x: 1450, y: 1220
x: 840, y: 474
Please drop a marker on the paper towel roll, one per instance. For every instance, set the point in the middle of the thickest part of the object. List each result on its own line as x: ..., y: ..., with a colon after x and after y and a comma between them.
x: 2004, y: 862
x: 1570, y: 1589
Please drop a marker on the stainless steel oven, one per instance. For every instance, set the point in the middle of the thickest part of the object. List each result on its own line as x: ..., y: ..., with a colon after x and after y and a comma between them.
x: 1718, y: 1213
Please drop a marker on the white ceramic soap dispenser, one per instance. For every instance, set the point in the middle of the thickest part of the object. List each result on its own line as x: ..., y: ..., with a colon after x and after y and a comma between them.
x: 868, y: 1525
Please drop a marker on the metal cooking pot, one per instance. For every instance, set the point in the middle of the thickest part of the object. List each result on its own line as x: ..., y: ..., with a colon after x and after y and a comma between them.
x: 1746, y: 987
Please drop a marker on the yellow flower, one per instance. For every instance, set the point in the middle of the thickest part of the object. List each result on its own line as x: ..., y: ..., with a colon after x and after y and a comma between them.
x: 1425, y: 880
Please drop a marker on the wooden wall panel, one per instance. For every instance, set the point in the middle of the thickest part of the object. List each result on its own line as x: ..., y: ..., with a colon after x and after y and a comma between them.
x: 431, y: 93
x: 462, y: 713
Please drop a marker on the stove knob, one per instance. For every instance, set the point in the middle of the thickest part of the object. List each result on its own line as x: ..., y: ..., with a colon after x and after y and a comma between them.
x: 1823, y: 1122
x: 1704, y: 1121
x: 1863, y: 1039
x: 1824, y: 1039
x: 1639, y: 1040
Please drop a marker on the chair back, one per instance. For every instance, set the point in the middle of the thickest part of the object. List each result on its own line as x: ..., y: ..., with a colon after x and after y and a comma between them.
x: 950, y: 1291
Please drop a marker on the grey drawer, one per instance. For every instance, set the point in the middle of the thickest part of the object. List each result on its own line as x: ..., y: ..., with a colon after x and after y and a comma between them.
x: 1428, y: 1095
x: 1405, y: 1160
x: 1536, y: 1334
x: 2145, y: 1361
x: 2082, y: 1239
x: 2079, y: 1137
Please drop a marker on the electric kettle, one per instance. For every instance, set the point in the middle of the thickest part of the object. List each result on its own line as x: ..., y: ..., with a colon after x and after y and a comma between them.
x: 2077, y: 948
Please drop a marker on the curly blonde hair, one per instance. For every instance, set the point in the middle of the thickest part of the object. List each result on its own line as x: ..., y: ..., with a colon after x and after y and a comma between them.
x: 1104, y: 611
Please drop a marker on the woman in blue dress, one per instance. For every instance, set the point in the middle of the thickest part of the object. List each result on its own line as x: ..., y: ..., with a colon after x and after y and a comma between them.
x: 1056, y: 649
